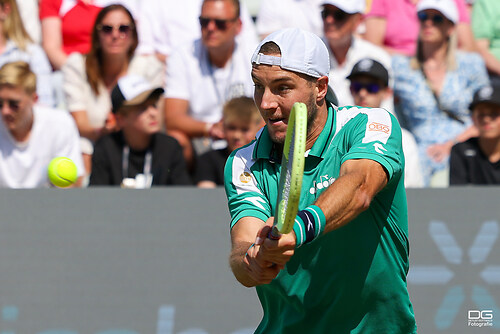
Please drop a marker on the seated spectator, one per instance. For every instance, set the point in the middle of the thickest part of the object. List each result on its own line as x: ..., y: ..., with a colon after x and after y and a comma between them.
x: 241, y: 120
x: 435, y: 87
x: 89, y: 79
x: 393, y: 25
x: 17, y: 45
x: 341, y: 19
x: 166, y: 25
x: 204, y: 74
x: 278, y: 14
x: 485, y: 15
x: 31, y: 135
x: 477, y: 160
x: 369, y: 87
x: 139, y: 155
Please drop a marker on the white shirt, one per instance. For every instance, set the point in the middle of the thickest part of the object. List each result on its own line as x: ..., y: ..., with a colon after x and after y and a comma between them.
x: 190, y: 76
x: 165, y: 24
x: 413, y: 170
x: 24, y: 165
x: 278, y: 14
x: 338, y: 73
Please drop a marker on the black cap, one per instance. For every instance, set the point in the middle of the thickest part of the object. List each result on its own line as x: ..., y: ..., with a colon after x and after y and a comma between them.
x: 488, y: 94
x: 370, y: 68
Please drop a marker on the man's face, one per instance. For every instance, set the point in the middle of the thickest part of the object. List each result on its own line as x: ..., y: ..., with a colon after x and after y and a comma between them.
x: 219, y: 23
x: 276, y: 91
x: 144, y: 119
x: 16, y: 108
x: 486, y: 117
x: 368, y: 91
x: 337, y: 24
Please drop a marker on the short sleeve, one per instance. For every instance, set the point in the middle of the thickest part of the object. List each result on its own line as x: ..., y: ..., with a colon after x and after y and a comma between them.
x: 177, y: 74
x: 378, y: 9
x: 245, y: 198
x: 49, y: 8
x: 376, y: 135
x: 75, y: 82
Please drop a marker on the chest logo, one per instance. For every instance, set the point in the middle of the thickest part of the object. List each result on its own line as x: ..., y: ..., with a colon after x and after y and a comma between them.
x: 324, y: 182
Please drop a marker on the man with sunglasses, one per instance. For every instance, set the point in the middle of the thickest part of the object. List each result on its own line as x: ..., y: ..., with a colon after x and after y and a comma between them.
x: 202, y: 75
x: 31, y: 135
x: 341, y: 19
x: 369, y: 87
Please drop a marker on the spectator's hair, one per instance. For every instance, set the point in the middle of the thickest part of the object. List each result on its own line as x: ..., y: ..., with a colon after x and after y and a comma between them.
x: 451, y: 64
x: 94, y: 60
x: 13, y: 28
x: 18, y: 74
x: 236, y: 4
x: 241, y: 108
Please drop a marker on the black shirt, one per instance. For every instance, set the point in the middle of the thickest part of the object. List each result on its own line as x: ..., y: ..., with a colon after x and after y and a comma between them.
x: 469, y: 165
x: 210, y: 166
x: 168, y: 166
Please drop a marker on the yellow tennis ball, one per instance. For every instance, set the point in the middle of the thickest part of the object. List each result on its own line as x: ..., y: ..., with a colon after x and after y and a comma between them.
x: 62, y: 172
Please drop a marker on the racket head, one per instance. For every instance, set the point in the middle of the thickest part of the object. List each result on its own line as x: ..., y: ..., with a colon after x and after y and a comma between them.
x: 292, y: 170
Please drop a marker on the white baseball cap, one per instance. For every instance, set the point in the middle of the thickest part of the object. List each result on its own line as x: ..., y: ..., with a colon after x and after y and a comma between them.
x: 301, y: 51
x: 447, y: 7
x: 348, y: 6
x: 132, y: 90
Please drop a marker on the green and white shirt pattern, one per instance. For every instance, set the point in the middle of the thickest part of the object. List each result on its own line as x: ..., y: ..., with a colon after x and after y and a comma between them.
x: 353, y: 279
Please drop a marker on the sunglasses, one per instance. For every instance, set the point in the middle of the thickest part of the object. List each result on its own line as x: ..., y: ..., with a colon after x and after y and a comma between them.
x: 436, y: 19
x: 338, y: 15
x: 371, y: 88
x: 219, y: 23
x: 13, y: 104
x: 123, y: 29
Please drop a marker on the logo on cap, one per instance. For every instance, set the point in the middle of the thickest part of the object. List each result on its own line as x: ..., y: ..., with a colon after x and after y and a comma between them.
x: 485, y: 93
x: 365, y: 65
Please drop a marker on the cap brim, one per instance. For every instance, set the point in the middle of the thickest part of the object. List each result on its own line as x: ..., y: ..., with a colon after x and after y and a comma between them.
x: 141, y: 98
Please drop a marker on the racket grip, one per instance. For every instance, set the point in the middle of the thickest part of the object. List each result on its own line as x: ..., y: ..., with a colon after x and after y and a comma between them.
x: 274, y: 234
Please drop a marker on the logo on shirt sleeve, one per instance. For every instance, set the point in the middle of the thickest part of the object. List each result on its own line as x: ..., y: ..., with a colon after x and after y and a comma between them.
x: 374, y: 126
x: 245, y: 177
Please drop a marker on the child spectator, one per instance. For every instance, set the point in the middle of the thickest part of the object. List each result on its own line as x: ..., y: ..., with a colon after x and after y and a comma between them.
x: 241, y: 121
x: 138, y: 156
x: 369, y: 87
x: 477, y: 160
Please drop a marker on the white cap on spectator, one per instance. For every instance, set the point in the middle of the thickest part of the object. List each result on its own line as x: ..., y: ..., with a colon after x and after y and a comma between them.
x: 132, y: 90
x: 301, y: 51
x: 447, y: 7
x: 348, y: 6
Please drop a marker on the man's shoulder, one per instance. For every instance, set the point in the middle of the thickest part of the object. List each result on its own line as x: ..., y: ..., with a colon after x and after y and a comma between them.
x: 53, y: 118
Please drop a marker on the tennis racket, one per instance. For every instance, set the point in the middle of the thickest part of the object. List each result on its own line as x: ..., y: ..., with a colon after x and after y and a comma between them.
x: 292, y: 170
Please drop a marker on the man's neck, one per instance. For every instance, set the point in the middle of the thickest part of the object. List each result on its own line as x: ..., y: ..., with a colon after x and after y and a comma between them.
x: 317, y: 126
x: 220, y: 57
x: 137, y: 141
x: 340, y: 48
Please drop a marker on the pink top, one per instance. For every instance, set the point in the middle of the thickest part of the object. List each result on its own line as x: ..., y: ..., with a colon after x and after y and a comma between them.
x: 77, y: 20
x: 402, y: 22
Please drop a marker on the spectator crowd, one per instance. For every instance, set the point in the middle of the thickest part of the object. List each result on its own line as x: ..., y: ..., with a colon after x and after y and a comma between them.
x: 151, y: 93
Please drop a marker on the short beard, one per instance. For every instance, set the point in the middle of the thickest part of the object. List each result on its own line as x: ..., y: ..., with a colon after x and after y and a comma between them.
x: 312, y: 112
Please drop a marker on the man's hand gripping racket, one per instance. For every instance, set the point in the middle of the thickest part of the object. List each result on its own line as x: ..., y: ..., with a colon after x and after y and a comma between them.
x: 292, y: 170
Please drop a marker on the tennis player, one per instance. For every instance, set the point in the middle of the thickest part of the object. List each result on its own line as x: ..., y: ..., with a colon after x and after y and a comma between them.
x: 343, y: 268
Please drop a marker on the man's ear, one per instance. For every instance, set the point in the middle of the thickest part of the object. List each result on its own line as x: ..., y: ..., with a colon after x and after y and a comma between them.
x: 322, y: 88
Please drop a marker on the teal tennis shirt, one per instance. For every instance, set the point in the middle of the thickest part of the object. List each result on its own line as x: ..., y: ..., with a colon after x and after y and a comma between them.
x: 353, y: 279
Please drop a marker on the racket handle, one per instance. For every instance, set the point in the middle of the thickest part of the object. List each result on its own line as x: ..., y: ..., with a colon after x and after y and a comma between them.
x: 274, y: 234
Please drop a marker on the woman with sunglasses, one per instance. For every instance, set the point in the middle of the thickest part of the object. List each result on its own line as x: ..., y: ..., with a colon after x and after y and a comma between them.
x: 17, y: 45
x: 434, y: 88
x: 88, y: 79
x: 393, y: 25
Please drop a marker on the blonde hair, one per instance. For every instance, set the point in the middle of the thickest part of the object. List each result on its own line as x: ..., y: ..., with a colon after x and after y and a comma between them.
x: 18, y: 74
x: 241, y: 108
x: 13, y: 28
x: 451, y: 63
